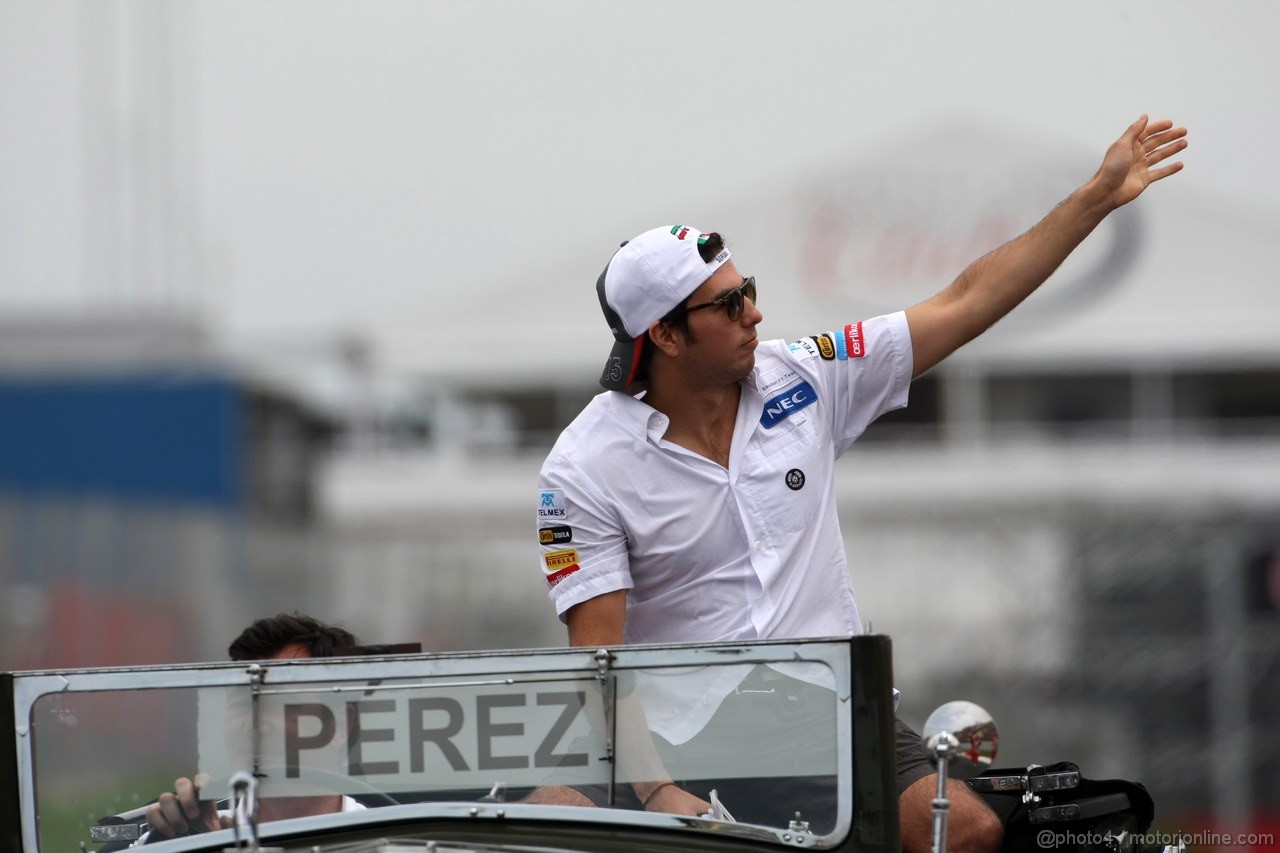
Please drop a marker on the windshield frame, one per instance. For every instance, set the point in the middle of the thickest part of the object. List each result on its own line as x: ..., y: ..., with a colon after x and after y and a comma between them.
x: 860, y: 665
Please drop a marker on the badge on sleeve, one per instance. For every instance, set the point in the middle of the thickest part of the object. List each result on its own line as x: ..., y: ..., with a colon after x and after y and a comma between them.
x: 849, y: 343
x: 551, y: 505
x: 559, y: 534
x: 803, y: 348
x: 855, y: 345
x: 558, y: 565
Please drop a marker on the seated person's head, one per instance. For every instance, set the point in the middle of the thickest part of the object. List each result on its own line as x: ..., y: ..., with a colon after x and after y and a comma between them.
x: 285, y: 635
x: 289, y: 635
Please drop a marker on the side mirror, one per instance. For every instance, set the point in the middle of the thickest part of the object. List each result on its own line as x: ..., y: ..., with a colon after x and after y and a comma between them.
x: 974, y: 733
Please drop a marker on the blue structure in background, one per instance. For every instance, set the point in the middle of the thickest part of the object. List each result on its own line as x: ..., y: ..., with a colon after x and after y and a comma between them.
x: 128, y: 503
x: 146, y: 438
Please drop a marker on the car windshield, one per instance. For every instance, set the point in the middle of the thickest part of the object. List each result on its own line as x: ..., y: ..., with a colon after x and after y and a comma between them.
x: 763, y: 732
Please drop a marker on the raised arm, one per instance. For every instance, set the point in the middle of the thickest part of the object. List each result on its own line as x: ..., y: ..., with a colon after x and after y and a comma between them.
x: 994, y: 284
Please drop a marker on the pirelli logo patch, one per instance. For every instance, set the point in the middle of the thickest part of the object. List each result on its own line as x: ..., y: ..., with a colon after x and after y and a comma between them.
x: 558, y: 565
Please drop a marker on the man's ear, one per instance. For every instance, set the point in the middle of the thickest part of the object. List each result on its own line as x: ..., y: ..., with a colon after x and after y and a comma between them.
x: 666, y: 338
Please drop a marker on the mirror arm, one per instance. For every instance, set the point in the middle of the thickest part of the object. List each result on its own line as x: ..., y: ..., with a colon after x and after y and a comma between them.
x: 941, y: 747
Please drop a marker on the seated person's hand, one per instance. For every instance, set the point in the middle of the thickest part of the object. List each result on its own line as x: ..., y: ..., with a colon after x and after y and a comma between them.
x: 183, y: 812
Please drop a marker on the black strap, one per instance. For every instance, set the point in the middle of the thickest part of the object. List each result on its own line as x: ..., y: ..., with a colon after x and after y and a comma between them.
x: 1036, y: 784
x: 1085, y: 809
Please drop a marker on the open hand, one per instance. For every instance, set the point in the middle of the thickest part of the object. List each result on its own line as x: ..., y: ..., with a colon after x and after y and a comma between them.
x: 1127, y: 169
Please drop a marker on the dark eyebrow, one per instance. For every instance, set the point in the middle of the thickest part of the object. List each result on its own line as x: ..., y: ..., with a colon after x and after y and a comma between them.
x: 729, y: 290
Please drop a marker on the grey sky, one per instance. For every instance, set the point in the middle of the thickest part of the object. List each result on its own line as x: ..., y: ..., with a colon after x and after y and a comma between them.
x: 316, y: 167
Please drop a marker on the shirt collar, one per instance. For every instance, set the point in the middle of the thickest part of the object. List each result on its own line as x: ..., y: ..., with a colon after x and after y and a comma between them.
x: 647, y: 422
x: 641, y: 419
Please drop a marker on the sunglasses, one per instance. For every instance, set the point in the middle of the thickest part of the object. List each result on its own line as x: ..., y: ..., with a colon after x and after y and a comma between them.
x: 734, y: 301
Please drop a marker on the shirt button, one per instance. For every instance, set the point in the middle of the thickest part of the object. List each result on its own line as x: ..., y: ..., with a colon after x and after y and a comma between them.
x: 757, y: 543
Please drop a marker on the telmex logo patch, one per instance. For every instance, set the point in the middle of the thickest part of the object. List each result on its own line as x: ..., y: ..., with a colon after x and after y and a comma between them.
x: 786, y: 404
x: 803, y: 348
x: 558, y: 565
x: 551, y: 504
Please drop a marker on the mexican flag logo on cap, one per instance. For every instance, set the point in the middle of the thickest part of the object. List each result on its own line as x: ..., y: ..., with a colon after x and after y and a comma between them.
x: 680, y: 231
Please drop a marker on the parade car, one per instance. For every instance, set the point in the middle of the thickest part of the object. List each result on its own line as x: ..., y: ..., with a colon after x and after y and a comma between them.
x: 789, y: 741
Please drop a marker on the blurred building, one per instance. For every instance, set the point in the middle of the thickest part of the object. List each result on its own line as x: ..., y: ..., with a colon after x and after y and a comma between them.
x: 153, y: 497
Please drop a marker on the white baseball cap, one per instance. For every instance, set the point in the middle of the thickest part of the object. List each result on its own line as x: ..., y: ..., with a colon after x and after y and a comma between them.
x: 646, y: 278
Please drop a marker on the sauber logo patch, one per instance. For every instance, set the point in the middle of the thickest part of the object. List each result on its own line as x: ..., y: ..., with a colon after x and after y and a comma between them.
x: 854, y: 344
x: 558, y: 565
x: 777, y: 379
x: 826, y: 348
x: 786, y: 404
x: 551, y: 505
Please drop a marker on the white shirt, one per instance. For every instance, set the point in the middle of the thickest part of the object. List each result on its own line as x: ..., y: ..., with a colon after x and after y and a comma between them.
x: 709, y: 553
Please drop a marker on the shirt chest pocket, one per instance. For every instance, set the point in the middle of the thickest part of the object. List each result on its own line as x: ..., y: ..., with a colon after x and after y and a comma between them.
x: 790, y: 465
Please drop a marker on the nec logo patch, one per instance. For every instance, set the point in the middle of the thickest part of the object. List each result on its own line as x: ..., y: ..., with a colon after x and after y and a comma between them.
x: 786, y: 404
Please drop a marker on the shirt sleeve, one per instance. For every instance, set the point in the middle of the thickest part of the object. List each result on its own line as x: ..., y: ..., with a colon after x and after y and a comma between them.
x: 583, y: 544
x: 863, y: 369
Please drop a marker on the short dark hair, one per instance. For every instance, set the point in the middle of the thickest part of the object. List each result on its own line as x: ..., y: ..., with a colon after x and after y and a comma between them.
x: 271, y: 635
x: 678, y: 317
